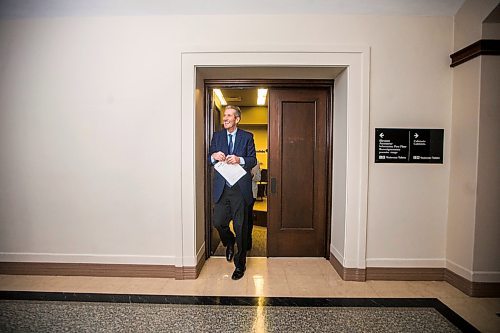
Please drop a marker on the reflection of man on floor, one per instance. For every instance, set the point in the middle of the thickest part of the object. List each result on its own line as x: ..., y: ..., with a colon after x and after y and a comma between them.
x: 233, y: 146
x: 255, y: 172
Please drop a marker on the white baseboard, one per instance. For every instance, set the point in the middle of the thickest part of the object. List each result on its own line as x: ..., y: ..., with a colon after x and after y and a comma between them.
x: 192, y: 261
x: 474, y: 276
x: 459, y: 270
x: 484, y: 276
x: 87, y: 258
x: 337, y: 254
x: 201, y: 253
x: 406, y: 263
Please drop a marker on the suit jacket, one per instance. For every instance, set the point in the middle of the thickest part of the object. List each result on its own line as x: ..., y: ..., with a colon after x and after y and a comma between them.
x: 244, y: 146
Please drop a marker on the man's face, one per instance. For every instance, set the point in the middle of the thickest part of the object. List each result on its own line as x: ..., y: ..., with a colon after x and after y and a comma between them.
x: 230, y: 120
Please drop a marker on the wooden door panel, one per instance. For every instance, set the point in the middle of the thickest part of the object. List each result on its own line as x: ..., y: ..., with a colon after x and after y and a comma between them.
x: 298, y: 167
x: 297, y: 178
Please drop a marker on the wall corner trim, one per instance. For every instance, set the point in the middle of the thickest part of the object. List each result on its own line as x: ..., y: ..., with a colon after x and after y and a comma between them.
x: 357, y: 60
x: 347, y: 274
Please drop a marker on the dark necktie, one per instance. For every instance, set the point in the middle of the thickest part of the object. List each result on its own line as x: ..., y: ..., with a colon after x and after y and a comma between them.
x: 230, y: 144
x: 230, y: 150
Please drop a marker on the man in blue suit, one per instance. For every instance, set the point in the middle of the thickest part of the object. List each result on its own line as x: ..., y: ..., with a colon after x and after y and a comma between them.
x: 233, y: 146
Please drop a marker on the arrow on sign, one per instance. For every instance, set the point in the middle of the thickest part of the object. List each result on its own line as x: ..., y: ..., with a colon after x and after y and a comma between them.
x: 381, y: 135
x: 416, y: 135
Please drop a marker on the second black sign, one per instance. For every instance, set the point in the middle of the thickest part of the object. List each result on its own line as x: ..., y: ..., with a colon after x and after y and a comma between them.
x: 405, y: 145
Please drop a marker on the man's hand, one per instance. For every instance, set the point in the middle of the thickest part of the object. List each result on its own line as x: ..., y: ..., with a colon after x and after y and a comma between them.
x: 232, y: 159
x: 219, y: 156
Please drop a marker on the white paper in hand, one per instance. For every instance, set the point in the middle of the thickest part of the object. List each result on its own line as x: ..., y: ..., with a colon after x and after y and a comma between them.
x: 231, y: 172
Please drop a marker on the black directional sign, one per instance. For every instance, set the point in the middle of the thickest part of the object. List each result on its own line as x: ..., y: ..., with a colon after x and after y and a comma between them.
x: 405, y: 145
x: 391, y: 145
x: 426, y: 146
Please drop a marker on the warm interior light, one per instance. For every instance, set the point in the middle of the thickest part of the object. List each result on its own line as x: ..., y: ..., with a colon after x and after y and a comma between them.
x: 221, y: 98
x: 261, y: 96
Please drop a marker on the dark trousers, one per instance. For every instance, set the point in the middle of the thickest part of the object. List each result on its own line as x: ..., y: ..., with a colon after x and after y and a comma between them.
x: 250, y: 225
x: 232, y: 205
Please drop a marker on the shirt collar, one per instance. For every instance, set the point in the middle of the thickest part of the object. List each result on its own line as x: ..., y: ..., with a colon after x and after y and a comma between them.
x: 233, y: 134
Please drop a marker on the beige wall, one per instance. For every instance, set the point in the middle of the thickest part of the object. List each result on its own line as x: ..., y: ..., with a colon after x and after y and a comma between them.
x: 256, y: 115
x: 463, y: 171
x: 260, y: 139
x: 471, y: 250
x: 254, y: 119
x: 90, y: 133
x: 486, y: 267
x: 487, y: 217
x: 491, y: 31
x: 404, y: 229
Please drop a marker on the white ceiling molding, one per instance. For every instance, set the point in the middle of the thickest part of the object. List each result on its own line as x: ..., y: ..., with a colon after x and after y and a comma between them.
x: 10, y: 9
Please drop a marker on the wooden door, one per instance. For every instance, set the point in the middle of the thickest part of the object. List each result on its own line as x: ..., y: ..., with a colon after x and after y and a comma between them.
x: 298, y: 174
x: 215, y: 126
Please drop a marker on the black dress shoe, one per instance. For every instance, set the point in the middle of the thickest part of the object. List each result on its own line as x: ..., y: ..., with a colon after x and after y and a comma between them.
x: 238, y: 273
x: 230, y: 252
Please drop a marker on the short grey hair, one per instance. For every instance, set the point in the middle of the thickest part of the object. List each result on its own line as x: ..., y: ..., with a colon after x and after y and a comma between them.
x: 235, y: 108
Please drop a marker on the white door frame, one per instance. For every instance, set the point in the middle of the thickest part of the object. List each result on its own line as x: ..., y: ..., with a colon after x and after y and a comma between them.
x: 357, y: 62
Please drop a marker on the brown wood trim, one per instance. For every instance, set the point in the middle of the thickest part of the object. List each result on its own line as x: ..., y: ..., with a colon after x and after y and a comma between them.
x: 329, y: 168
x: 336, y: 265
x: 102, y: 270
x: 199, y: 266
x: 252, y: 83
x: 272, y: 83
x: 347, y: 274
x: 355, y: 274
x: 186, y: 273
x: 190, y: 272
x: 458, y: 282
x: 207, y: 200
x: 473, y: 289
x: 481, y: 47
x: 75, y: 269
x: 485, y: 289
x: 404, y: 274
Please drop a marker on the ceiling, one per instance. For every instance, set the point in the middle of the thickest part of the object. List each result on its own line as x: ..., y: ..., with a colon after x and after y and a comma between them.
x: 494, y: 16
x: 49, y: 8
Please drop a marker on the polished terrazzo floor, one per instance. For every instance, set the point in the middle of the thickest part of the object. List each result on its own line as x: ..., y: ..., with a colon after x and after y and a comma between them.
x: 87, y: 316
x: 271, y: 277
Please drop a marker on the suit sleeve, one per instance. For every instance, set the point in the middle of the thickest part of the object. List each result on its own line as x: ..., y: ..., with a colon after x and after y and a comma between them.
x: 213, y: 148
x: 250, y: 159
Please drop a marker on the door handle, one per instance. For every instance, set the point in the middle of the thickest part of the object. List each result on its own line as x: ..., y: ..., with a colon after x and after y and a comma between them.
x: 273, y: 185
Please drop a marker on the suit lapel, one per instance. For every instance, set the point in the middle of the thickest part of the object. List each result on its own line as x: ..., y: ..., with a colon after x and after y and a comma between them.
x: 237, y: 142
x: 224, y: 142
